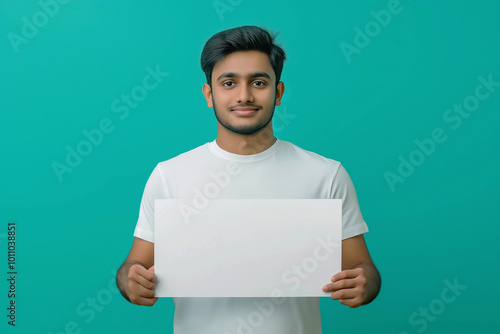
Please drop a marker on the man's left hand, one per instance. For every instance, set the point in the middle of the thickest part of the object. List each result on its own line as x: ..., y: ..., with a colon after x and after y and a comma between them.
x: 348, y: 286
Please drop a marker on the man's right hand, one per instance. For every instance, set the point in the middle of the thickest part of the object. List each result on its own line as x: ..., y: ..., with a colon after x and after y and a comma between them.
x: 141, y: 285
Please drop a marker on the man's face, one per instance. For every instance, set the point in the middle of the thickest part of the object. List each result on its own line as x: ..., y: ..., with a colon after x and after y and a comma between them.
x: 243, y: 92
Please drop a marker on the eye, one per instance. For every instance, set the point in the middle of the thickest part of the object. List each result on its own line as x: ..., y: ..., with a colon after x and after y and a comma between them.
x: 228, y: 84
x: 259, y: 83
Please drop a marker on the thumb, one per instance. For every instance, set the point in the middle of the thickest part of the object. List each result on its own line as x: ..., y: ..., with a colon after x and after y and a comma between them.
x: 152, y: 269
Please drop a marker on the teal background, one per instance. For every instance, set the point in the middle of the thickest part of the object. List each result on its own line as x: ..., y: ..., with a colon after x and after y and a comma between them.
x: 442, y: 223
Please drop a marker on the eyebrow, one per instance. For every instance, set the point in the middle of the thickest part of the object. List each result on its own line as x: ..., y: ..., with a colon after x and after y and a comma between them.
x: 252, y: 75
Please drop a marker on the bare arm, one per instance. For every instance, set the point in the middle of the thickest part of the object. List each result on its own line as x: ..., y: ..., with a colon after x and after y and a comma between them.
x: 136, y: 279
x: 359, y: 281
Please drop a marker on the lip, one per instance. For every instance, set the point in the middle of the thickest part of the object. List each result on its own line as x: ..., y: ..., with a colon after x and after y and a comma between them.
x: 244, y: 111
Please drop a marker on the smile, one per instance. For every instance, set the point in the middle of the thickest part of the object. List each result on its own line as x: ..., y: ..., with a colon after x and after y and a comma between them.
x: 244, y: 111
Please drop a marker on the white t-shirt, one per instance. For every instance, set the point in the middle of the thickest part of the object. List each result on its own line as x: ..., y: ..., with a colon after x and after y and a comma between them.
x: 282, y: 171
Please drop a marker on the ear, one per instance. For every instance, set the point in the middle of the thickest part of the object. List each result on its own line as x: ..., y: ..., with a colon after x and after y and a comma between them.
x: 207, y: 92
x: 279, y: 92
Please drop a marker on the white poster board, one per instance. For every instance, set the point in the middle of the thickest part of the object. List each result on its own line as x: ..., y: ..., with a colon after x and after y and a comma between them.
x: 247, y: 248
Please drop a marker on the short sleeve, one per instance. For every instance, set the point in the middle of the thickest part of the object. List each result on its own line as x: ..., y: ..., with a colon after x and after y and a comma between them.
x: 352, y: 220
x: 154, y: 189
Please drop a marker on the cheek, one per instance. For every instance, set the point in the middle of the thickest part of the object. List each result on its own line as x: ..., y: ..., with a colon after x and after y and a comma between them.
x: 270, y: 99
x: 264, y: 97
x: 220, y: 100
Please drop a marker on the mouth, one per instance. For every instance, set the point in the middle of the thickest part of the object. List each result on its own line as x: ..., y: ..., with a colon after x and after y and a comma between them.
x: 244, y: 111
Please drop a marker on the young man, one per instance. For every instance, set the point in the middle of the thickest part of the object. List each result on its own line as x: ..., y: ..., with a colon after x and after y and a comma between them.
x: 243, y: 69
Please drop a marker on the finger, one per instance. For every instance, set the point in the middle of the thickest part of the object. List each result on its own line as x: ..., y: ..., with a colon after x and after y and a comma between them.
x: 138, y: 270
x: 352, y: 302
x: 137, y: 290
x: 349, y: 273
x: 152, y: 269
x: 344, y: 284
x: 144, y: 301
x: 144, y: 292
x: 143, y: 282
x: 346, y: 294
x: 147, y: 273
x: 149, y: 301
x: 341, y: 284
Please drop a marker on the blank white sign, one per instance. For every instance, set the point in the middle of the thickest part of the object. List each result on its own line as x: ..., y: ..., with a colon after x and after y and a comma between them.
x: 247, y: 247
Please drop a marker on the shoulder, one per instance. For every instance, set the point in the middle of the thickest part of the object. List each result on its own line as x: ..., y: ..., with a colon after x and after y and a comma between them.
x: 309, y: 157
x: 191, y: 156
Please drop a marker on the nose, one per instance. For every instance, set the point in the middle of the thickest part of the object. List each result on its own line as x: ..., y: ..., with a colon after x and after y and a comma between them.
x: 244, y: 94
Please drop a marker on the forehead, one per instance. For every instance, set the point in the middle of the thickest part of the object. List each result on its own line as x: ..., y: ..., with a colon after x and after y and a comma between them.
x: 244, y: 63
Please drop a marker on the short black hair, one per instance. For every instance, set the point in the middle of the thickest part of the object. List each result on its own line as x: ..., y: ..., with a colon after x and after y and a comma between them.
x: 244, y: 38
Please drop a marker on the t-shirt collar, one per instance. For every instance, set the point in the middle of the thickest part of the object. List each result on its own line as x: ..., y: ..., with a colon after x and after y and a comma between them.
x: 218, y: 151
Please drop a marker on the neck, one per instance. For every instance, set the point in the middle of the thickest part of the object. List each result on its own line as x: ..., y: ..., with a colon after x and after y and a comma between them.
x: 245, y: 144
